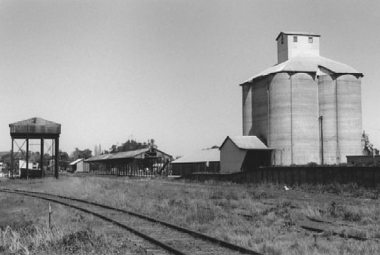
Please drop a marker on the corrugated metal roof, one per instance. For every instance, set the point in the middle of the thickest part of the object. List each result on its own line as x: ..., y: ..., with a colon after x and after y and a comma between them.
x: 122, y: 155
x: 118, y: 155
x: 35, y: 122
x: 76, y: 161
x: 247, y: 143
x: 298, y: 33
x: 308, y: 63
x: 210, y: 155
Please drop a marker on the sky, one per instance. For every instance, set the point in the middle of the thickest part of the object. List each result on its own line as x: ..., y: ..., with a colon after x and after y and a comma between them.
x: 167, y: 70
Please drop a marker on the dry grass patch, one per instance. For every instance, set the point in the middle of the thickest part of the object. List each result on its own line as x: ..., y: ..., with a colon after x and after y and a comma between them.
x: 213, y: 208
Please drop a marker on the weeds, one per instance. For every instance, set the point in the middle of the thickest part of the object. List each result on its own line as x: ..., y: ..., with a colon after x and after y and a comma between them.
x: 346, y: 213
x: 211, y: 208
x: 346, y: 190
x: 270, y: 250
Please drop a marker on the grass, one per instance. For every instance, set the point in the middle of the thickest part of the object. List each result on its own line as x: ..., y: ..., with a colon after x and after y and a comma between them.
x: 212, y: 208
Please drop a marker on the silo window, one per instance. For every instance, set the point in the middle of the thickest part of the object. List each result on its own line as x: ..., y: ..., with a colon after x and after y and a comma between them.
x: 310, y: 39
x: 294, y: 38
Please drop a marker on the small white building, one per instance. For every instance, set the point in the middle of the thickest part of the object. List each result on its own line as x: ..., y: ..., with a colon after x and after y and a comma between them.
x: 31, y: 165
x: 79, y: 166
x: 243, y: 153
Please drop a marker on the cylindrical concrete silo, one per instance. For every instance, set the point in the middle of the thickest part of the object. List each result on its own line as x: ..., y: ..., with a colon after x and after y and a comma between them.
x: 247, y: 108
x: 328, y: 120
x: 307, y: 107
x: 293, y: 118
x: 280, y: 126
x: 349, y: 115
x: 340, y: 108
x: 255, y: 108
x: 305, y: 118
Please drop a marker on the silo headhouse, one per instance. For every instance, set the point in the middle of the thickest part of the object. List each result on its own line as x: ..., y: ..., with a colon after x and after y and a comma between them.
x: 307, y: 108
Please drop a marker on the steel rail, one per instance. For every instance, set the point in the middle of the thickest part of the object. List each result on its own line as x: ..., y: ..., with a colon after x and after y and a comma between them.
x: 321, y: 229
x: 184, y: 230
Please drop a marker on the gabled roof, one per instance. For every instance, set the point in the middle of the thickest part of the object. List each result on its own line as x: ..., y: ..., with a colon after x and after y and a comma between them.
x: 209, y: 155
x: 307, y: 63
x: 298, y: 33
x: 122, y: 155
x: 35, y: 122
x: 35, y: 128
x: 76, y: 161
x: 247, y: 143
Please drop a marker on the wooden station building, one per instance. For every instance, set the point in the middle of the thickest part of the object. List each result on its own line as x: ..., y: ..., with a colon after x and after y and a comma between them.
x: 143, y: 162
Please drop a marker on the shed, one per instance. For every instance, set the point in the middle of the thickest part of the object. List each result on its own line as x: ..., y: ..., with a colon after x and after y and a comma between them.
x: 142, y: 162
x: 32, y: 172
x: 365, y: 160
x: 204, y: 161
x: 79, y: 166
x: 243, y: 153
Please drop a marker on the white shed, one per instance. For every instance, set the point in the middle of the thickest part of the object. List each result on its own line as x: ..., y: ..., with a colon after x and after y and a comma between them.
x: 79, y: 166
x: 242, y: 153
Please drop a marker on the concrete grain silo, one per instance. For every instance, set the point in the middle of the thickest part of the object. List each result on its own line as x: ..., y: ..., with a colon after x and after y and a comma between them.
x: 307, y: 107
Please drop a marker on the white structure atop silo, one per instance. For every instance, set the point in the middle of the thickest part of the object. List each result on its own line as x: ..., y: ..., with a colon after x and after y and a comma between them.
x: 306, y: 107
x: 290, y: 45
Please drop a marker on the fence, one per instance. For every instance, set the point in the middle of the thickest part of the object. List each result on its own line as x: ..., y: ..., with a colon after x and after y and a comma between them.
x: 363, y: 176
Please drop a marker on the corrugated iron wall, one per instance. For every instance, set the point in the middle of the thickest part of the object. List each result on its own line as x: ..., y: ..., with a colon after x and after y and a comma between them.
x: 363, y: 176
x: 201, y: 167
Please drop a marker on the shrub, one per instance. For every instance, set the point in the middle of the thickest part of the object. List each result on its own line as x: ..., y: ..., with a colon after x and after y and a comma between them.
x: 311, y: 164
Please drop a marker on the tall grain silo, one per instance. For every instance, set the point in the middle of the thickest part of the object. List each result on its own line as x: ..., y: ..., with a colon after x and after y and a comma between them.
x: 306, y: 107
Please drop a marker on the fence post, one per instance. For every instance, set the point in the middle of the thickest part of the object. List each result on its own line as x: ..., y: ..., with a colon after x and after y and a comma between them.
x: 50, y: 215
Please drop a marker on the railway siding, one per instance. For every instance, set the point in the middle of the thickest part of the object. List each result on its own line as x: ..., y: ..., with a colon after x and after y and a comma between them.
x: 165, y: 236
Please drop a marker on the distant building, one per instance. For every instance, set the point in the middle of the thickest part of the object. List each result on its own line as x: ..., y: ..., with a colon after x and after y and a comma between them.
x: 363, y: 160
x: 31, y: 165
x: 243, y: 153
x: 142, y: 162
x: 32, y: 172
x: 79, y: 166
x: 204, y: 161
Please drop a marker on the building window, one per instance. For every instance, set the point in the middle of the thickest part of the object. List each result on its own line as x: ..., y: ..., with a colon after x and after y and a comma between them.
x: 295, y: 38
x: 310, y: 39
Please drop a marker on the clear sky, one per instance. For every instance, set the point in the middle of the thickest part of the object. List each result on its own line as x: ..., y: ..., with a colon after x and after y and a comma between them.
x: 168, y: 70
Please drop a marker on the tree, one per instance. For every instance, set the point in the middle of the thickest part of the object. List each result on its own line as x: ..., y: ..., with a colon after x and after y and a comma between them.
x: 131, y: 145
x: 367, y: 146
x: 212, y: 147
x: 87, y: 153
x: 64, y: 159
x: 113, y: 149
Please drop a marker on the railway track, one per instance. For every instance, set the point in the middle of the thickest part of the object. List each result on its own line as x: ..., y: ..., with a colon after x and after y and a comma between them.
x: 164, y: 237
x: 320, y: 226
x: 308, y: 223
